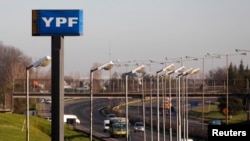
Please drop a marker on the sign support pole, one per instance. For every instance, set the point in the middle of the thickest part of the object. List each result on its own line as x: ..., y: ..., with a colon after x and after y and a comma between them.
x: 57, y: 85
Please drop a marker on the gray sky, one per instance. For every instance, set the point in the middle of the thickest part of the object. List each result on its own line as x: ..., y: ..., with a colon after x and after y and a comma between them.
x: 136, y: 30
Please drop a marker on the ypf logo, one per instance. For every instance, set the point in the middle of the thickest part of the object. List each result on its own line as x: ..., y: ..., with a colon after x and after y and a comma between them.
x: 59, y: 21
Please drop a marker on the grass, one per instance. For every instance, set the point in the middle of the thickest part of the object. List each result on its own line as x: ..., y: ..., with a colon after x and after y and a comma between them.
x: 13, y: 128
x: 212, y: 112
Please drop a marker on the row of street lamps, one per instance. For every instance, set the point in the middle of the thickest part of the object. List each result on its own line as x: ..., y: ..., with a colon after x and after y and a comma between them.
x: 169, y: 70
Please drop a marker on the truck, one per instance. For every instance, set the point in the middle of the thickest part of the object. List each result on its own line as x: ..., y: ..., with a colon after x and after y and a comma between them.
x: 118, y: 127
x: 71, y: 119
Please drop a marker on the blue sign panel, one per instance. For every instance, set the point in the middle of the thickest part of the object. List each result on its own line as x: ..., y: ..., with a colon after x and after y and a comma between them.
x: 57, y: 22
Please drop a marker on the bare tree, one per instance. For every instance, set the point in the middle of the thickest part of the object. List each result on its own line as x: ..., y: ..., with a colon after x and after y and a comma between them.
x: 12, y: 63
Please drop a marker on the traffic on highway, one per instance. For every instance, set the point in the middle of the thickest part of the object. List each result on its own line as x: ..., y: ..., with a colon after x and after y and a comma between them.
x: 113, y: 126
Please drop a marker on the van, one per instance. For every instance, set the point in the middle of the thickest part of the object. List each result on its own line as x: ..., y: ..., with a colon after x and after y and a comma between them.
x: 71, y: 119
x: 107, y: 122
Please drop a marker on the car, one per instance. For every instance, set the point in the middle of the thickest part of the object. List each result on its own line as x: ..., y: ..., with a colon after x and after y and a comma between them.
x: 215, y: 122
x: 139, y: 127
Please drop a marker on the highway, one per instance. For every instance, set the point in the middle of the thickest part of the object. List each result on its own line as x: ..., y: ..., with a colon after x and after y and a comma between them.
x: 81, y: 108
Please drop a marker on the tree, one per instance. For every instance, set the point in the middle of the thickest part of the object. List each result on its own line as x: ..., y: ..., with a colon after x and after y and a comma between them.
x: 13, y: 64
x: 234, y: 107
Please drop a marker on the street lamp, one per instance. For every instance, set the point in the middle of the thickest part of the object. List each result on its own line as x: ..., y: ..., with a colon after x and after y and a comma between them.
x: 193, y: 71
x: 168, y: 68
x: 40, y: 63
x: 139, y: 69
x: 107, y: 66
x: 170, y: 98
x: 178, y: 117
x: 184, y: 102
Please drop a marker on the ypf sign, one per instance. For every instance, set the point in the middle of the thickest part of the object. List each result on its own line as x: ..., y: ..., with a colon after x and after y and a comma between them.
x: 57, y: 22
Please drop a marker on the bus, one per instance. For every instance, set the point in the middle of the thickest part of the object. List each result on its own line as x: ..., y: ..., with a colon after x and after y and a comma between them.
x: 118, y: 127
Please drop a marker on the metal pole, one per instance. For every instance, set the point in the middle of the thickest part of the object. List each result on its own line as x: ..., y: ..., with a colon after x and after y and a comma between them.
x: 158, y: 115
x: 127, y: 107
x: 163, y: 109
x: 91, y: 105
x: 184, y: 108
x: 143, y: 105
x: 203, y: 85
x: 27, y: 105
x: 170, y: 111
x: 57, y: 82
x: 179, y: 110
x: 227, y: 87
x: 151, y: 110
x: 187, y: 107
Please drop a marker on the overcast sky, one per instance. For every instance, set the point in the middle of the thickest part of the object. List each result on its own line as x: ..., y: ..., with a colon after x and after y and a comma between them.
x: 135, y: 30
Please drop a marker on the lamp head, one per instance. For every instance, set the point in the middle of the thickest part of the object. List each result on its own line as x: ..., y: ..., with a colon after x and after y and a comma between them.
x: 169, y: 68
x: 107, y: 66
x: 42, y: 62
x: 140, y: 69
x: 187, y: 72
x: 195, y: 71
x: 180, y: 70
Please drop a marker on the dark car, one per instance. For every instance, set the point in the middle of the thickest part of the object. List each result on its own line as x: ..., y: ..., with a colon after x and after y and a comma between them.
x: 215, y: 122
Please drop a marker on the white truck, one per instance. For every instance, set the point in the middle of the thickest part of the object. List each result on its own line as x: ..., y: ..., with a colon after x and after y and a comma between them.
x: 67, y: 118
x: 106, y: 122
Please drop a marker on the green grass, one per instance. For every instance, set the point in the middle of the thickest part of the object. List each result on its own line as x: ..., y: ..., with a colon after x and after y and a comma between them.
x: 13, y: 128
x: 212, y: 112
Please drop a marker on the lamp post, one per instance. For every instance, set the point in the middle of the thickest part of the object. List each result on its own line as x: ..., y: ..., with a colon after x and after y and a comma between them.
x: 139, y: 69
x: 107, y: 66
x: 193, y: 71
x: 40, y: 63
x: 170, y: 104
x: 184, y: 102
x: 151, y: 108
x: 168, y: 68
x: 178, y: 117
